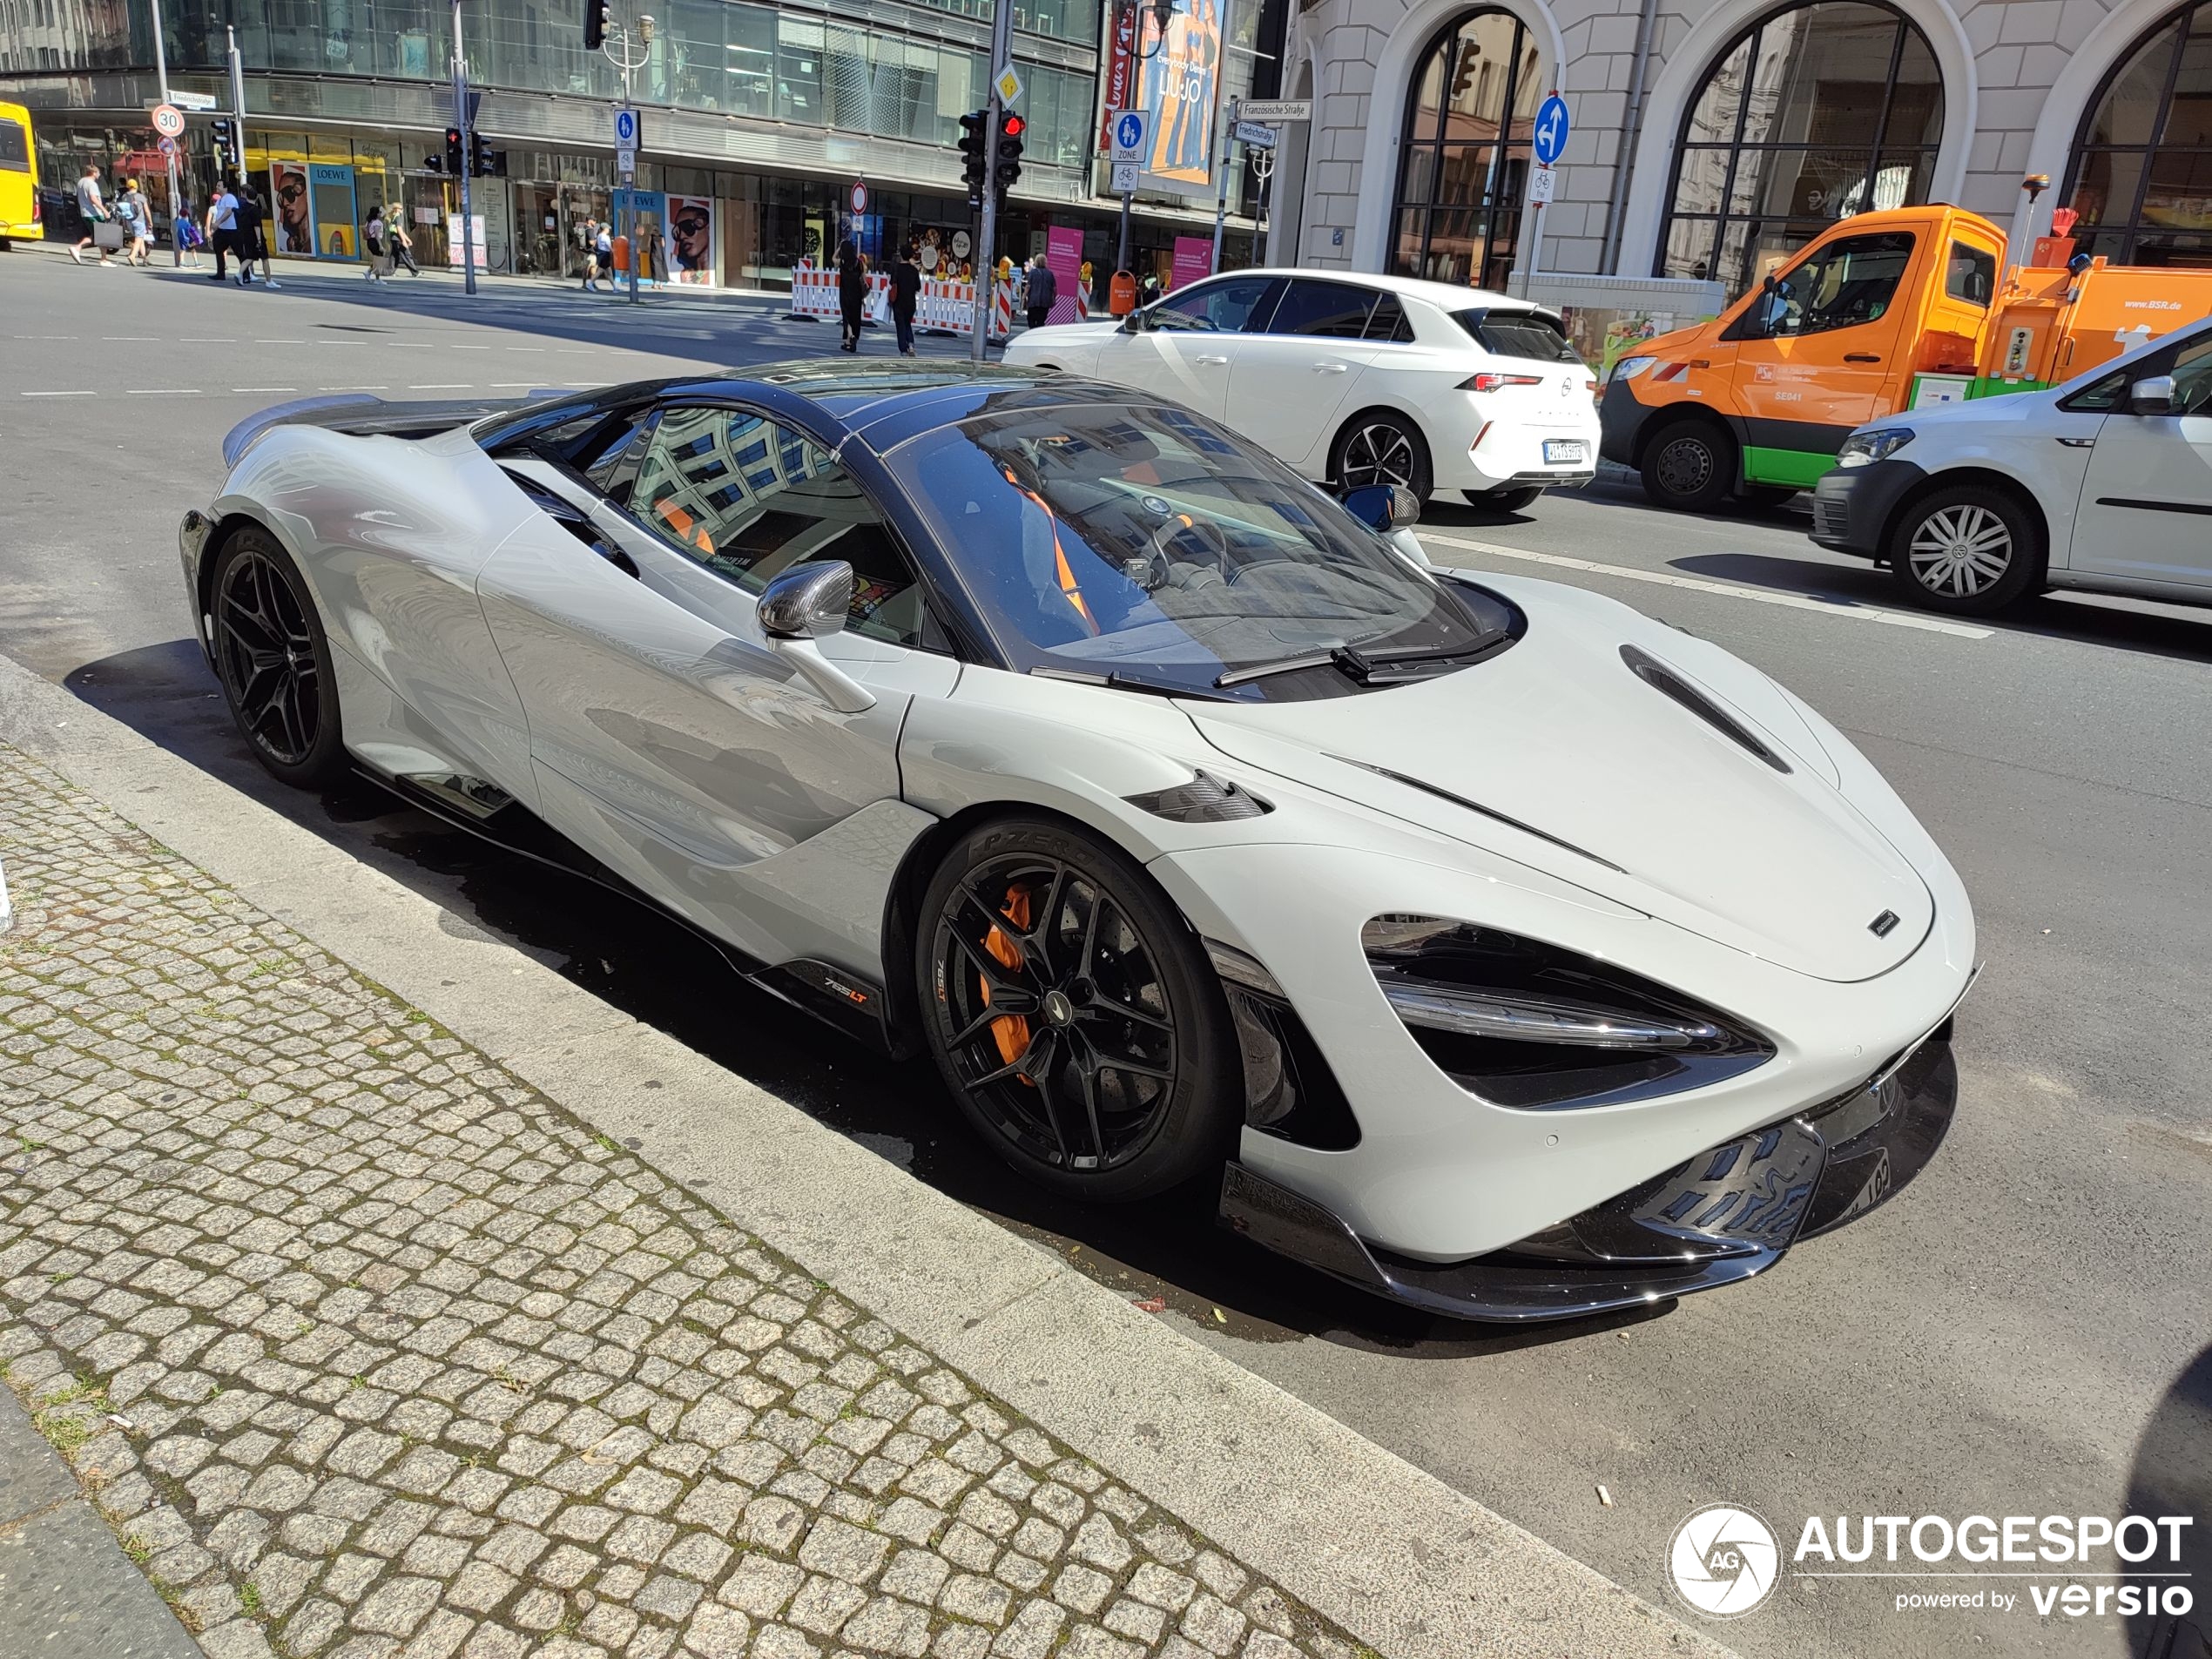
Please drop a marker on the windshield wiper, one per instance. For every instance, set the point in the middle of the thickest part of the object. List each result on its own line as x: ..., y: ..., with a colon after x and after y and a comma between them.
x: 1118, y: 681
x: 1358, y: 664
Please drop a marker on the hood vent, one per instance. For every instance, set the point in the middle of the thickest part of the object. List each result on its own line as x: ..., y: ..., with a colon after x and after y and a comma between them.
x: 1494, y: 816
x: 1660, y: 677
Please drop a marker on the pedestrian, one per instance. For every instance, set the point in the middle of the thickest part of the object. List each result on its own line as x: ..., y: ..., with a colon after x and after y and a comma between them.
x: 1043, y: 289
x: 906, y: 294
x: 251, y: 243
x: 137, y: 219
x: 224, y: 228
x: 190, y: 238
x: 376, y: 244
x: 852, y: 291
x: 603, y: 255
x: 402, y: 244
x: 590, y: 255
x: 93, y: 210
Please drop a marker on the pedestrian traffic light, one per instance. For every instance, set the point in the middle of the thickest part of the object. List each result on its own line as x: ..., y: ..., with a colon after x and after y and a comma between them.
x: 974, y: 168
x: 455, y: 162
x: 1011, y: 129
x: 487, y: 162
x: 225, y: 146
x: 597, y: 14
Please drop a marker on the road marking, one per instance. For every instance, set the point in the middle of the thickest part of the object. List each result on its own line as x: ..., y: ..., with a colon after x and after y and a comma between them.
x: 443, y: 386
x: 141, y: 339
x: 264, y: 388
x: 164, y: 391
x: 1730, y: 590
x: 61, y: 394
x: 498, y: 384
x: 540, y: 350
x: 353, y: 388
x: 471, y: 349
x: 208, y: 340
x: 279, y: 342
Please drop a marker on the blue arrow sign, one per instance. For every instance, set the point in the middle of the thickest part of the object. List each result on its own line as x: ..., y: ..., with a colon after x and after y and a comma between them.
x: 1549, y: 139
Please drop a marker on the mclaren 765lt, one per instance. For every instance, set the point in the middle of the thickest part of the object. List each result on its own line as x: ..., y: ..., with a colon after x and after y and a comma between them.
x: 1488, y: 944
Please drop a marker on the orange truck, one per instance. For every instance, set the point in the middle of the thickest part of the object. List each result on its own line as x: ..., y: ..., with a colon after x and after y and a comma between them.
x: 1886, y: 311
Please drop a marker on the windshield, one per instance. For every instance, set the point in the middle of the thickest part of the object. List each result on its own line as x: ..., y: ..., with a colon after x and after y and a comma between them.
x: 1148, y: 546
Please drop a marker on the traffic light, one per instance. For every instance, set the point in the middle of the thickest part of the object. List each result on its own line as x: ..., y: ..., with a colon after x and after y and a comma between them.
x: 454, y: 160
x: 974, y: 169
x: 1011, y: 129
x: 597, y: 14
x: 1463, y: 74
x: 488, y: 162
x: 226, y: 144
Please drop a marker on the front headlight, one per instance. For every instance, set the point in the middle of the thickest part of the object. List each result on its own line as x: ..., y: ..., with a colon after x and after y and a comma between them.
x: 1522, y: 1023
x: 1864, y: 449
x: 1628, y: 367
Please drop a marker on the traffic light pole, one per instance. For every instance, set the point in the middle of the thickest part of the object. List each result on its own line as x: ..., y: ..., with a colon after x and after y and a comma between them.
x: 987, y: 253
x: 468, y: 154
x: 168, y: 145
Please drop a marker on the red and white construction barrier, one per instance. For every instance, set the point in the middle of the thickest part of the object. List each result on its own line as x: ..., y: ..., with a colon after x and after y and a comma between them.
x: 950, y: 308
x: 814, y: 296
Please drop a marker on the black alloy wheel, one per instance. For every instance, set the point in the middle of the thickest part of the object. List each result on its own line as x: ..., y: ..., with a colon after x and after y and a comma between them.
x: 1379, y: 448
x: 1073, y: 1014
x: 272, y: 661
x: 1690, y: 465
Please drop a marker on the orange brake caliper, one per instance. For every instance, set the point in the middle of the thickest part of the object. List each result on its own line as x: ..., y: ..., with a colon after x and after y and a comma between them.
x: 1011, y: 1030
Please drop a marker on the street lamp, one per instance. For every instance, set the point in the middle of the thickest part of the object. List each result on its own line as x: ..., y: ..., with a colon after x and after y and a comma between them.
x: 1161, y: 14
x: 630, y: 56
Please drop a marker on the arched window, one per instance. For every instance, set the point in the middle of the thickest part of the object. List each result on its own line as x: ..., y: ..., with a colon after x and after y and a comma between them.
x: 1813, y: 115
x: 1464, y: 168
x: 2141, y: 176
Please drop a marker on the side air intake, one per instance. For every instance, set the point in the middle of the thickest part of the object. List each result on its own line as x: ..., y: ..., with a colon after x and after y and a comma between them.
x: 1660, y: 678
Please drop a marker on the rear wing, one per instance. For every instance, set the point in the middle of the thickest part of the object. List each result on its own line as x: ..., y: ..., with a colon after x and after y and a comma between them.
x: 363, y: 416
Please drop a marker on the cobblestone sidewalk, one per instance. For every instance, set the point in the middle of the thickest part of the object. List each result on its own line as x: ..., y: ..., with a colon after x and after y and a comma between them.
x: 365, y: 1348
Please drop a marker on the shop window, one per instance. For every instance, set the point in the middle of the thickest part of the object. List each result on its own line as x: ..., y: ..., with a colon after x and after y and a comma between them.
x: 1464, y: 169
x: 2140, y: 174
x: 1813, y: 114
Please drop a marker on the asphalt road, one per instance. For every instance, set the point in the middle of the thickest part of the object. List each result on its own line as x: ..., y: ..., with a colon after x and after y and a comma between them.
x: 2022, y: 1332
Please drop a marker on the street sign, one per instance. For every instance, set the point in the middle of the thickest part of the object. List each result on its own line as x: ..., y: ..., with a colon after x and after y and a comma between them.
x: 168, y: 120
x: 1253, y: 136
x: 1548, y: 140
x: 628, y: 131
x: 961, y: 245
x: 1276, y: 110
x: 192, y: 100
x: 1540, y: 185
x: 1009, y: 84
x: 625, y: 163
x: 1131, y: 129
x: 1126, y: 174
x: 858, y: 196
x: 168, y: 146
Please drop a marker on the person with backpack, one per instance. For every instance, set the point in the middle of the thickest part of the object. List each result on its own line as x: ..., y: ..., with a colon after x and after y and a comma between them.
x: 137, y: 219
x: 377, y: 244
x: 190, y: 238
x: 603, y: 258
x: 402, y: 244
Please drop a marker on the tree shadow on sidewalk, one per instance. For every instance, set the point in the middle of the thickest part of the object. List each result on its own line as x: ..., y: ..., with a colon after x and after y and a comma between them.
x: 1167, y: 1254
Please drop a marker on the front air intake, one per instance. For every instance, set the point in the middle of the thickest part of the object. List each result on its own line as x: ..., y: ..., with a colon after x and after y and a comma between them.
x: 1664, y: 679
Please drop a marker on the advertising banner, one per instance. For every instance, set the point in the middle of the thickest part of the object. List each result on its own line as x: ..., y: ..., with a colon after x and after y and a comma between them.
x: 1183, y: 92
x: 1063, y: 253
x: 294, y: 229
x: 1119, y: 79
x: 453, y: 239
x: 690, y: 239
x: 1193, y: 259
x: 650, y: 239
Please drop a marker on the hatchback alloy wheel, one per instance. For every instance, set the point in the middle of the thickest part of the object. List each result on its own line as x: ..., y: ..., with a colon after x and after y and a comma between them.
x: 1378, y: 455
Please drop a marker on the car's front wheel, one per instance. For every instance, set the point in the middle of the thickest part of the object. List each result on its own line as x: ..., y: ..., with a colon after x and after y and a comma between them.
x: 1380, y: 448
x: 1073, y: 1013
x: 272, y: 661
x: 1966, y: 549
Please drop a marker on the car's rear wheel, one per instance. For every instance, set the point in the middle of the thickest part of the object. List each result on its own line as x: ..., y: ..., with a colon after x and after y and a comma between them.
x: 1690, y: 465
x: 272, y: 661
x: 1073, y: 1013
x: 1516, y: 499
x: 1380, y: 448
x: 1966, y: 549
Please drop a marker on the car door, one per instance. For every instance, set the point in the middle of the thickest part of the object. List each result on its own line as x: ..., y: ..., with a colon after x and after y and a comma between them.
x: 669, y: 738
x: 2146, y: 512
x: 1815, y: 354
x: 1182, y: 346
x: 1287, y: 382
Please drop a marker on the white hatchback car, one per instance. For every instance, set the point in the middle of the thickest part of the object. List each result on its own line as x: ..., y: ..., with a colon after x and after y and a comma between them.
x: 2104, y: 483
x: 1355, y: 379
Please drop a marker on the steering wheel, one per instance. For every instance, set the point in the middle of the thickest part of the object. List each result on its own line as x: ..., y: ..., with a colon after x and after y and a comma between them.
x: 1205, y: 531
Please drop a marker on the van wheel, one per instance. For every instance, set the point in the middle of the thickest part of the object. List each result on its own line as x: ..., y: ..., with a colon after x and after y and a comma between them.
x: 1690, y: 465
x: 1967, y: 549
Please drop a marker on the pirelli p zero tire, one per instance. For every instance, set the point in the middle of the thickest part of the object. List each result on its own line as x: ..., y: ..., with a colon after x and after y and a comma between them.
x: 1379, y: 446
x: 1966, y: 549
x: 274, y: 661
x: 1690, y: 465
x: 1073, y: 1013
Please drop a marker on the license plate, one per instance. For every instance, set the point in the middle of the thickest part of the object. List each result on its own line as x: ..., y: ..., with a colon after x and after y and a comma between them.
x: 1559, y: 452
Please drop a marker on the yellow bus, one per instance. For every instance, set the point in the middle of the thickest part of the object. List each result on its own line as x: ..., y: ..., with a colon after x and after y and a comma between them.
x: 19, y: 176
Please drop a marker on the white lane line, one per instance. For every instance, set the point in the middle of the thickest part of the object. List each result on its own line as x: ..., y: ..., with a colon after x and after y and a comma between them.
x: 353, y: 388
x: 264, y: 388
x: 540, y: 350
x: 163, y: 391
x: 1729, y: 589
x: 470, y: 348
x: 207, y: 339
x: 279, y: 342
x: 498, y: 384
x: 138, y: 340
x: 61, y: 394
x: 443, y: 386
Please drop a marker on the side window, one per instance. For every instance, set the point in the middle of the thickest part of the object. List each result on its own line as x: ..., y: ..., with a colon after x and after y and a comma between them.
x: 1224, y: 306
x: 1971, y: 274
x: 748, y: 499
x: 1332, y: 310
x: 607, y: 456
x: 1846, y: 283
x: 2192, y: 378
x: 1389, y: 321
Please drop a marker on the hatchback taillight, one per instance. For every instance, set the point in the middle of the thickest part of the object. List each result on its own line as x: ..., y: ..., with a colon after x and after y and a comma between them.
x: 1490, y: 383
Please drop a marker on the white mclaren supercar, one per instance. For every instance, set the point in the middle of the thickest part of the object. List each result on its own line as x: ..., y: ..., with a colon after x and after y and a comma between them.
x: 1490, y: 945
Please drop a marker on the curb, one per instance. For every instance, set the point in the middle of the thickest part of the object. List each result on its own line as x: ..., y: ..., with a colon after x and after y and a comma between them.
x: 1393, y: 1554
